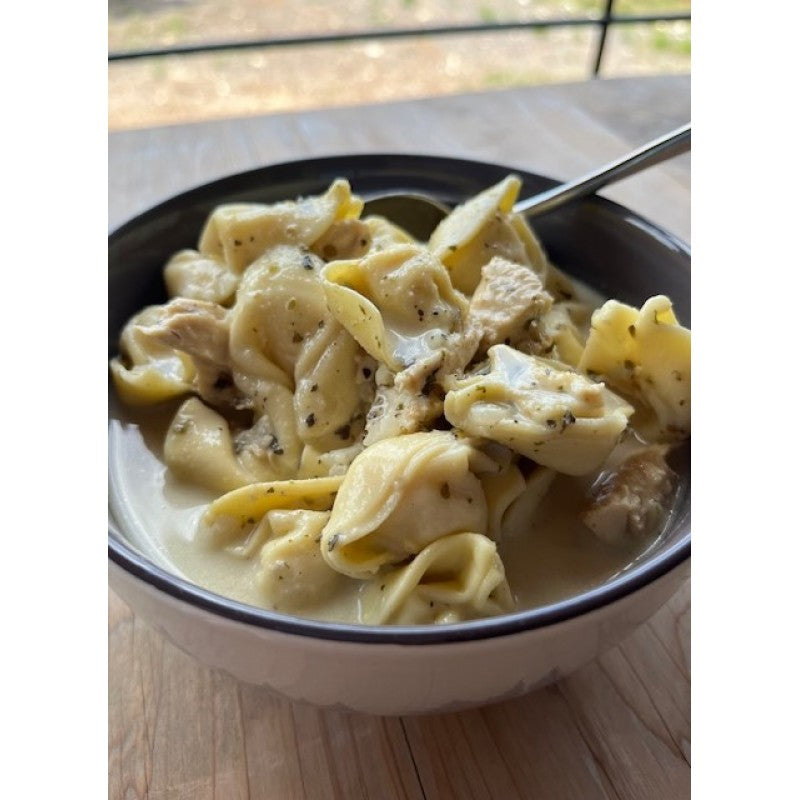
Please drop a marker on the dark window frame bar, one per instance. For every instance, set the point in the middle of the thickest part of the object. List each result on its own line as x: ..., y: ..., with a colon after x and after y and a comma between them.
x: 607, y: 20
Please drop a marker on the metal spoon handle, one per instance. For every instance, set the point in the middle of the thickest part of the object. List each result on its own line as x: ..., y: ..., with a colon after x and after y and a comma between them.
x: 667, y: 146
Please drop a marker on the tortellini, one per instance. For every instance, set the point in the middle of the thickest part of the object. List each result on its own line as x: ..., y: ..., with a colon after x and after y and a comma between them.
x: 501, y: 490
x: 378, y: 417
x: 399, y: 304
x: 386, y: 234
x: 560, y: 331
x: 644, y: 354
x: 238, y: 233
x: 293, y: 573
x: 279, y: 306
x: 554, y: 416
x: 199, y: 447
x: 231, y: 520
x: 400, y: 495
x: 455, y: 578
x: 482, y: 228
x: 522, y: 507
x: 283, y: 332
x: 191, y: 274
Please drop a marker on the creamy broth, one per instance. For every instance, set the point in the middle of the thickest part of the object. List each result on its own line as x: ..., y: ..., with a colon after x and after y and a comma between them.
x: 161, y: 514
x: 556, y: 556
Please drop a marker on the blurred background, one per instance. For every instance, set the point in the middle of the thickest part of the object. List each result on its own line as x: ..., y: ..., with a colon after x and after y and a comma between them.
x: 175, y: 61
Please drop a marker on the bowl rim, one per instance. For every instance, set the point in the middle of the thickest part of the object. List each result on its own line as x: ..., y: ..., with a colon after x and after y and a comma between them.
x: 625, y: 583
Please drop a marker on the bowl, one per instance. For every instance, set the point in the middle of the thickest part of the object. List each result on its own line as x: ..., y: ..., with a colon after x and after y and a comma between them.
x: 392, y: 669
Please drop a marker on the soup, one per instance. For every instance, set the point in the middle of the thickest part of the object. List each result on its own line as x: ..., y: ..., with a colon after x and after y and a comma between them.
x: 332, y: 420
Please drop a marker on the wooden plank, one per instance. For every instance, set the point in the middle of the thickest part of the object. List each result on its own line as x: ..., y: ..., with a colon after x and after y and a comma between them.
x: 297, y: 751
x: 672, y: 626
x: 175, y: 724
x: 617, y: 716
x: 522, y: 748
x: 180, y: 730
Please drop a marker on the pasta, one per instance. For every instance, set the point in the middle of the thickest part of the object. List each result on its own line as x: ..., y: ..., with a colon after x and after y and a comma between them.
x: 377, y: 421
x: 455, y: 577
x: 554, y: 416
x: 375, y: 519
x: 644, y: 353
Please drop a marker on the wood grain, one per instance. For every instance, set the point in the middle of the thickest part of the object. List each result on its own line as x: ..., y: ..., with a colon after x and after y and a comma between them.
x: 618, y: 728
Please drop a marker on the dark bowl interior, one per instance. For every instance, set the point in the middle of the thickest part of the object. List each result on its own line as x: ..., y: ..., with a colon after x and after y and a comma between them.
x: 597, y: 241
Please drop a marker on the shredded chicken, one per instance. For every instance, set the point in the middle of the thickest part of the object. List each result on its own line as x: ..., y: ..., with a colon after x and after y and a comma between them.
x: 396, y: 412
x: 201, y: 330
x: 413, y: 400
x: 429, y: 375
x: 632, y: 499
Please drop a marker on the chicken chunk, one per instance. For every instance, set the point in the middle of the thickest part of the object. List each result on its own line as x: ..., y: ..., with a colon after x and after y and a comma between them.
x: 632, y: 499
x: 508, y: 298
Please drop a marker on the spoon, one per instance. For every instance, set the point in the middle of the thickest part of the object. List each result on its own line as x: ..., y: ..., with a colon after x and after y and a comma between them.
x: 419, y: 214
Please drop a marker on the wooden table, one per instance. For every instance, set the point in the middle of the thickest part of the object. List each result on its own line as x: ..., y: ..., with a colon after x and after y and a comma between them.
x: 619, y: 727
